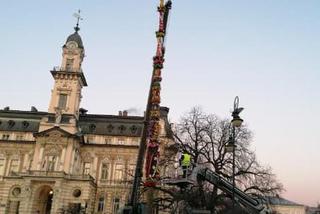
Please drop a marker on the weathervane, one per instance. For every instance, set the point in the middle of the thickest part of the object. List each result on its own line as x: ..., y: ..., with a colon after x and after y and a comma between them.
x: 78, y: 17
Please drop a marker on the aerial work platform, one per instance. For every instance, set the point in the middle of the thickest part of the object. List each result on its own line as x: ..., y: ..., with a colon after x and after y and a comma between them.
x: 180, y: 182
x: 206, y: 174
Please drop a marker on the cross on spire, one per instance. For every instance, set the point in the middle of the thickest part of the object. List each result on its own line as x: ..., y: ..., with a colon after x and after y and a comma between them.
x: 78, y: 17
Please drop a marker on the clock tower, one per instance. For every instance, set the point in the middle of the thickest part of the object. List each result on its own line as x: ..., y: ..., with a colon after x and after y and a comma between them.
x: 68, y: 83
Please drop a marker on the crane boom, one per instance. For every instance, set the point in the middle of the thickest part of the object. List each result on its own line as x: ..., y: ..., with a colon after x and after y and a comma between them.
x: 149, y: 144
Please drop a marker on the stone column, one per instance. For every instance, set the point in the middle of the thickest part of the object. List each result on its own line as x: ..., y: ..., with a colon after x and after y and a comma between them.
x: 63, y: 154
x: 57, y: 198
x: 98, y: 169
x: 112, y: 171
x: 40, y: 157
x: 68, y: 157
x: 13, y: 207
x: 26, y: 202
x: 25, y: 162
x: 95, y: 168
x: 92, y: 199
x: 72, y: 161
x: 21, y: 162
x: 125, y: 175
x: 6, y: 165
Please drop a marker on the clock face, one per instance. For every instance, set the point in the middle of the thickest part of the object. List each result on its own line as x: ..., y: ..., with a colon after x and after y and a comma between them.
x: 71, y: 45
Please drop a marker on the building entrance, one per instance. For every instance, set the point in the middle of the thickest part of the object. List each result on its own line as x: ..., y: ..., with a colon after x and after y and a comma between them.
x: 43, y: 200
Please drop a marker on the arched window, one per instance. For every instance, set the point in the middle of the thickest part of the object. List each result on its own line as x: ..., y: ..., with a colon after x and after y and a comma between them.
x: 62, y: 101
x: 116, y: 205
x: 101, y: 204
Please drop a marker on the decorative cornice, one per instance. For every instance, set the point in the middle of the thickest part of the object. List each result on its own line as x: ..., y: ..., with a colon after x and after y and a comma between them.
x: 69, y: 75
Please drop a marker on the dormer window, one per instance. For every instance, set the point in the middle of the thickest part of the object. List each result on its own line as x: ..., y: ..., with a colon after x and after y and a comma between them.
x: 69, y: 64
x: 92, y: 127
x: 25, y: 124
x: 62, y: 101
x: 11, y: 123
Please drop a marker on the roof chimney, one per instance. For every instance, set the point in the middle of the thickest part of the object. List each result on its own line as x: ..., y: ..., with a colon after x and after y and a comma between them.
x: 34, y: 109
x: 125, y: 113
x: 120, y: 113
x: 83, y: 111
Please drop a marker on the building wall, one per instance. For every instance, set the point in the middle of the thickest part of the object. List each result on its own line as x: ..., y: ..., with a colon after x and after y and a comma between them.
x: 24, y: 164
x: 287, y: 209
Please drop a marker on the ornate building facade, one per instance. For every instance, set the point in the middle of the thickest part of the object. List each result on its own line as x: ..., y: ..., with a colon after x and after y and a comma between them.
x: 66, y: 160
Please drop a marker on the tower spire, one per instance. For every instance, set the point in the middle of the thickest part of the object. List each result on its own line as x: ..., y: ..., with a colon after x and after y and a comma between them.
x: 78, y: 17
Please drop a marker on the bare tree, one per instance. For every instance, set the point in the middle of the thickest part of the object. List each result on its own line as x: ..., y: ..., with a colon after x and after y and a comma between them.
x: 204, y: 137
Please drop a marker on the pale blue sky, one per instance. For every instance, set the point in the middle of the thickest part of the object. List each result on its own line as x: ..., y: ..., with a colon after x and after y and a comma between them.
x: 266, y: 52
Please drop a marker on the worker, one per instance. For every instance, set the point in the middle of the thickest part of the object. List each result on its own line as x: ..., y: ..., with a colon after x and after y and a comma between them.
x: 185, y: 162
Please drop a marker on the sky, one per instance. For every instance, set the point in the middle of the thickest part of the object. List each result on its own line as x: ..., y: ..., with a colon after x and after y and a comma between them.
x: 265, y: 52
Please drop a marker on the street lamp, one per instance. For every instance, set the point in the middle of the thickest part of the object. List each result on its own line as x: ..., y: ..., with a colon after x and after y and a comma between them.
x: 231, y: 146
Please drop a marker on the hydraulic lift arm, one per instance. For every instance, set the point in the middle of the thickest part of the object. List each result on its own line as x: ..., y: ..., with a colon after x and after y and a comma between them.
x: 212, y: 177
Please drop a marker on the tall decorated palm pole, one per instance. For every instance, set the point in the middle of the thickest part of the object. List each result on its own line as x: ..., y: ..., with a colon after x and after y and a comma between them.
x: 149, y: 149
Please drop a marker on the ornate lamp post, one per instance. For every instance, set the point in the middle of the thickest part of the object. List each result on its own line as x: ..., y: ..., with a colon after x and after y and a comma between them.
x: 231, y: 146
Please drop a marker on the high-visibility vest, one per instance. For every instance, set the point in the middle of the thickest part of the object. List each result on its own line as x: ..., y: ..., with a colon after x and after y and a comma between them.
x: 186, y: 160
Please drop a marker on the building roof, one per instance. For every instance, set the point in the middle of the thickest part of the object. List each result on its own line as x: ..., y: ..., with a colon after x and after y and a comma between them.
x: 313, y: 210
x: 111, y: 125
x: 76, y: 38
x: 25, y: 121
x: 282, y: 201
x: 95, y: 124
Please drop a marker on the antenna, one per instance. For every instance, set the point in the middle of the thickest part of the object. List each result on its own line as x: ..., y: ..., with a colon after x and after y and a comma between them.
x: 78, y: 17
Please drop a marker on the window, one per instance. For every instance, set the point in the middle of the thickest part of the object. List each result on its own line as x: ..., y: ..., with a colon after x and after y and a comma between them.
x: 104, y: 171
x: 101, y: 204
x: 108, y: 140
x: 69, y: 64
x: 118, y: 172
x: 5, y: 137
x: 90, y: 139
x: 2, y: 162
x: 116, y: 205
x: 121, y: 141
x: 14, y: 166
x: 135, y: 141
x: 51, y: 163
x: 131, y: 171
x: 62, y: 101
x: 86, y: 168
x: 19, y: 137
